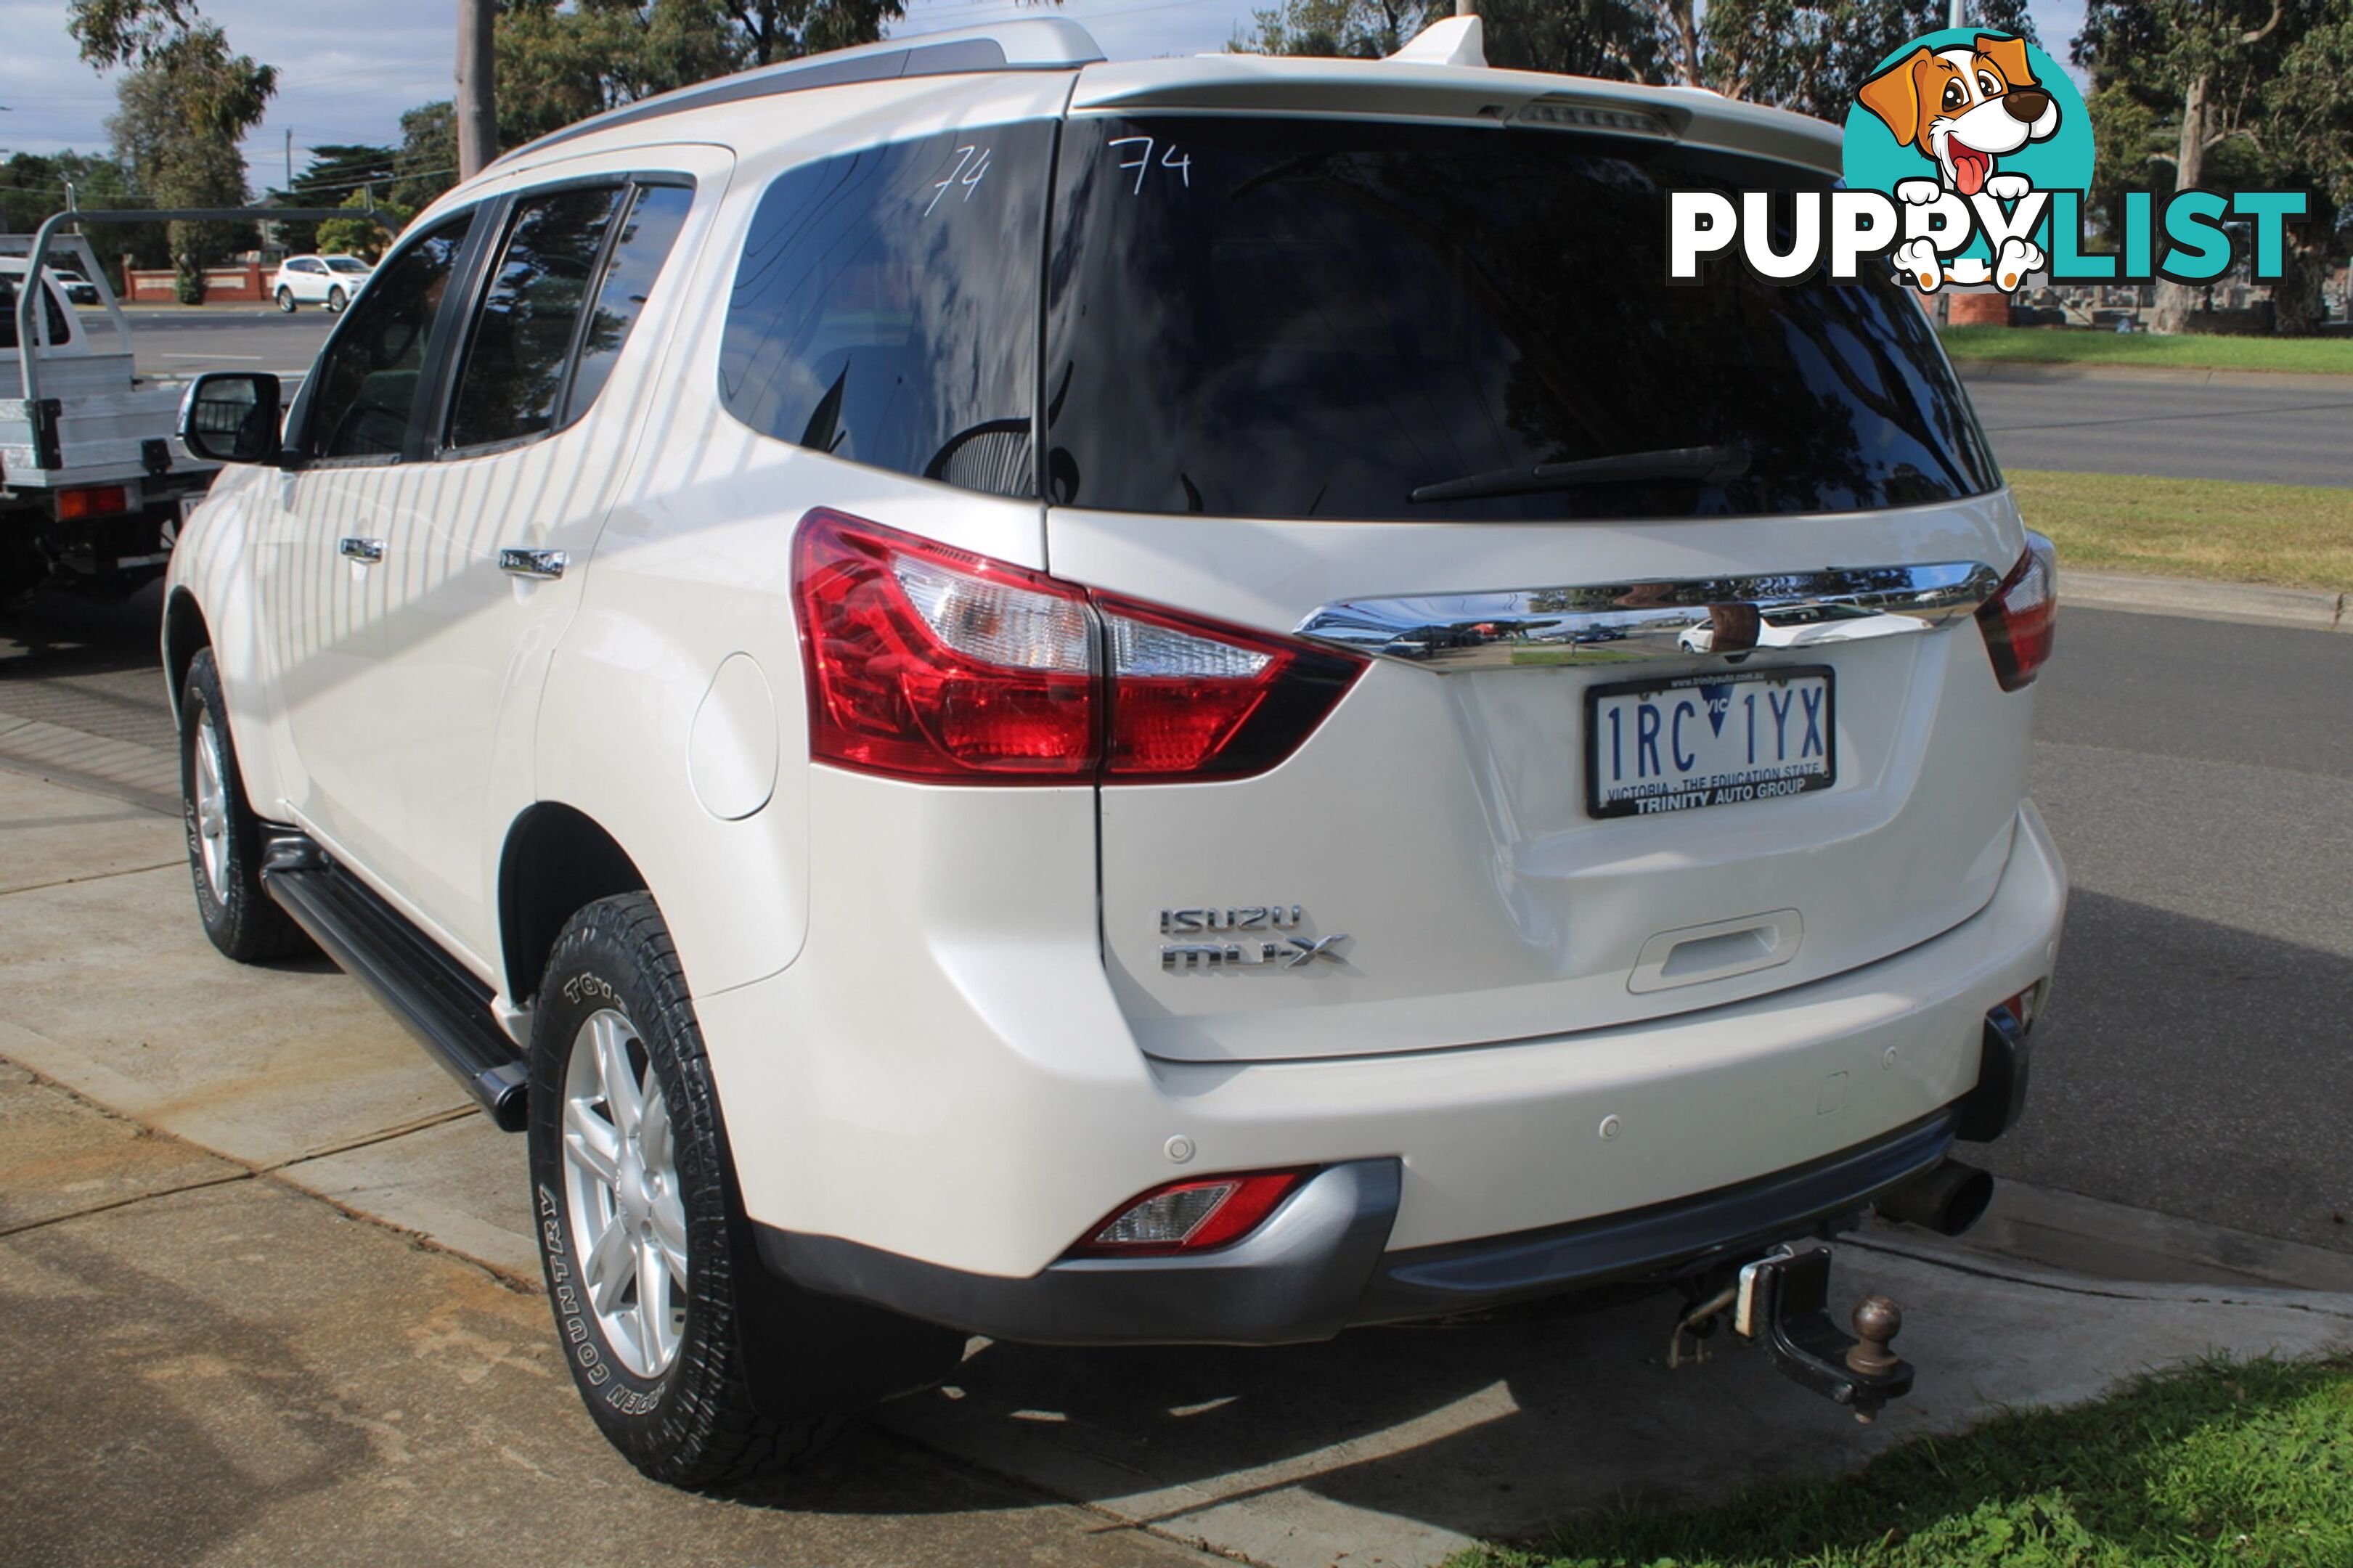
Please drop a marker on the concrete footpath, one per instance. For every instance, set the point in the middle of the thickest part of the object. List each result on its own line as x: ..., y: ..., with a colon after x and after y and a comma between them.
x: 272, y: 1297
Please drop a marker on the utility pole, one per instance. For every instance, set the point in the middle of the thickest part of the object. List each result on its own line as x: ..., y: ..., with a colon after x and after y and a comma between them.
x: 1466, y: 8
x: 478, y: 116
x: 289, y: 159
x: 1958, y: 20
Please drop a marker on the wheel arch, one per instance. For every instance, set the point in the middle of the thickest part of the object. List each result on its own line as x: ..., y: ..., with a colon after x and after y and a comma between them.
x: 185, y: 631
x: 556, y: 859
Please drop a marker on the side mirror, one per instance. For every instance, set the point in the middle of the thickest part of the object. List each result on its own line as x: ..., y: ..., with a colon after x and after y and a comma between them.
x: 232, y: 417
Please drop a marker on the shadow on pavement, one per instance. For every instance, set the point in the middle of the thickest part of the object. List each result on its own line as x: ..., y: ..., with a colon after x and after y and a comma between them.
x: 2138, y: 1098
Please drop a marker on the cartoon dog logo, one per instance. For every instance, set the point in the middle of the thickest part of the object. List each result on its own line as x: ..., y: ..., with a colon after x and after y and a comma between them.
x: 1961, y: 109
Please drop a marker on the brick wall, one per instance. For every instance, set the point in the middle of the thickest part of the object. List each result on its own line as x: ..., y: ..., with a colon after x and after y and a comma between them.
x: 239, y: 285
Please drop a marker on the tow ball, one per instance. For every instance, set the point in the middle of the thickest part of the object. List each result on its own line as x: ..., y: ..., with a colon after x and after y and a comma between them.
x: 1782, y: 1302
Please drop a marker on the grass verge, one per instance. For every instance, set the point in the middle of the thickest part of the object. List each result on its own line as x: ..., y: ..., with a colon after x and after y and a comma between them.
x: 2058, y: 346
x: 2292, y: 536
x: 2248, y: 1465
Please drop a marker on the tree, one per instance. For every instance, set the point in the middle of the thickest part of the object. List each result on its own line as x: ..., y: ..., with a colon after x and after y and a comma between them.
x: 1806, y: 54
x: 176, y: 130
x: 560, y: 64
x: 336, y: 171
x: 1338, y: 29
x: 184, y: 105
x: 2192, y: 93
x: 1811, y: 55
x: 1617, y: 38
x: 2307, y: 142
x: 33, y: 186
x: 560, y: 61
x: 772, y: 30
x: 427, y: 162
x: 358, y: 236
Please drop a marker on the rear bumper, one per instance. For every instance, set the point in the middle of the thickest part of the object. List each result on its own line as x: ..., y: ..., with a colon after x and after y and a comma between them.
x: 1320, y: 1263
x: 931, y: 1116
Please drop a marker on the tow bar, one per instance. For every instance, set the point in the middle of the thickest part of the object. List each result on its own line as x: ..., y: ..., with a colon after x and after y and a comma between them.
x: 1782, y: 1302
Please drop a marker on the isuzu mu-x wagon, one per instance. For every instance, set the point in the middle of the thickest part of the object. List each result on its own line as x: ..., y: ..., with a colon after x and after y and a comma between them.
x: 1002, y: 694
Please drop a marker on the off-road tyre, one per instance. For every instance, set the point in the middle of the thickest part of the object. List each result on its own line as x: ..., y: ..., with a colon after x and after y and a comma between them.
x: 243, y: 921
x: 286, y: 301
x: 764, y: 1374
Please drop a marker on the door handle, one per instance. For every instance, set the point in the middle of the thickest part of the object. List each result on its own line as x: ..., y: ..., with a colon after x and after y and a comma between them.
x: 367, y: 551
x: 542, y: 566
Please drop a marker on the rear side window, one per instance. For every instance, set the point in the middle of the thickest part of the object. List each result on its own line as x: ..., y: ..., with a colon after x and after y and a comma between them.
x: 366, y: 386
x: 1291, y: 318
x: 61, y: 330
x: 886, y: 307
x: 656, y: 214
x: 531, y: 309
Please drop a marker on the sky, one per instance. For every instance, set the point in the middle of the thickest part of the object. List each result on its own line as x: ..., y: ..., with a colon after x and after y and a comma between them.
x: 348, y: 68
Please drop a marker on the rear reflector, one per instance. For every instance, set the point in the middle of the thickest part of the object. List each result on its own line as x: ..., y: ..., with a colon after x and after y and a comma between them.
x: 94, y: 500
x: 1190, y: 1217
x: 2024, y: 1005
x: 932, y: 663
x: 2022, y: 620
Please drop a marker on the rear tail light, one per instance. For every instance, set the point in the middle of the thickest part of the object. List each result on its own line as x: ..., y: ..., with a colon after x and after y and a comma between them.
x: 94, y: 500
x: 2021, y: 619
x: 932, y: 663
x: 1190, y: 1217
x: 1191, y: 699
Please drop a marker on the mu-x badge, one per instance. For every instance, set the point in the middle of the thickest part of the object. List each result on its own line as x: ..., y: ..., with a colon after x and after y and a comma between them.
x: 1286, y: 951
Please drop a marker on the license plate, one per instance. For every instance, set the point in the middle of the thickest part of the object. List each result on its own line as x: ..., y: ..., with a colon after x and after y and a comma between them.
x: 1708, y: 740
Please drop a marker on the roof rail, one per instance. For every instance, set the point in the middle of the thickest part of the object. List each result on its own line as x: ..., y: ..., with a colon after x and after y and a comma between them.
x: 1041, y: 43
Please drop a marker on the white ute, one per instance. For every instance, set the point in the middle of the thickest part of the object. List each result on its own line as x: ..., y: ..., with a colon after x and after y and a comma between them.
x: 998, y: 693
x: 91, y: 475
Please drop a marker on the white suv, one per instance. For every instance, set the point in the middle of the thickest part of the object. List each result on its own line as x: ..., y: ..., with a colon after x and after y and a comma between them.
x: 329, y: 280
x: 1004, y: 694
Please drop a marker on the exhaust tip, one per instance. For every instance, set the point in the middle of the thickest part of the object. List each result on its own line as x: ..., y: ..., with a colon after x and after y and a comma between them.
x: 1949, y: 1200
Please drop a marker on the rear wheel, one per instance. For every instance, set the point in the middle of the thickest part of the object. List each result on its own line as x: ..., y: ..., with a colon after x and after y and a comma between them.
x: 285, y: 301
x: 336, y: 299
x: 224, y: 835
x: 696, y: 1364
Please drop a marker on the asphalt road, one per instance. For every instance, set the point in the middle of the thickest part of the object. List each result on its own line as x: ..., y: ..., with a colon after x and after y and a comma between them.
x: 180, y: 343
x: 2295, y: 433
x: 2199, y: 777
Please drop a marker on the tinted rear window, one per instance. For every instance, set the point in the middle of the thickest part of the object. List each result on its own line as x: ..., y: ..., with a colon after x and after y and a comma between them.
x: 886, y: 307
x: 1271, y: 318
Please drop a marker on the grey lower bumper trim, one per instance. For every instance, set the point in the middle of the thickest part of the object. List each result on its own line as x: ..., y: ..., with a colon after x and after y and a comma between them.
x: 1295, y: 1279
x: 1649, y: 1243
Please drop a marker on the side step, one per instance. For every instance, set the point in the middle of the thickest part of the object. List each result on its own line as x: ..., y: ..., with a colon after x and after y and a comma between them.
x: 440, y: 1001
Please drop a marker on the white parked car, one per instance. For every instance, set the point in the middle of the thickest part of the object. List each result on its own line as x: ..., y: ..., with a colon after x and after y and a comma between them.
x: 916, y: 661
x: 78, y: 290
x: 328, y: 280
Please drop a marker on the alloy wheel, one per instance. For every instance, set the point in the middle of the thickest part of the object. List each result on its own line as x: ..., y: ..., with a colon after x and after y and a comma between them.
x: 212, y: 809
x: 628, y: 1216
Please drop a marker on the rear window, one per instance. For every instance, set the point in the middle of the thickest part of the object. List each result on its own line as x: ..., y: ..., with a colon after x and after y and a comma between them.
x: 1289, y: 318
x: 61, y: 330
x: 886, y: 307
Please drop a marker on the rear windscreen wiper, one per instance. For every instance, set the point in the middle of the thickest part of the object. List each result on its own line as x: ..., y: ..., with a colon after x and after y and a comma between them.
x: 1706, y: 465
